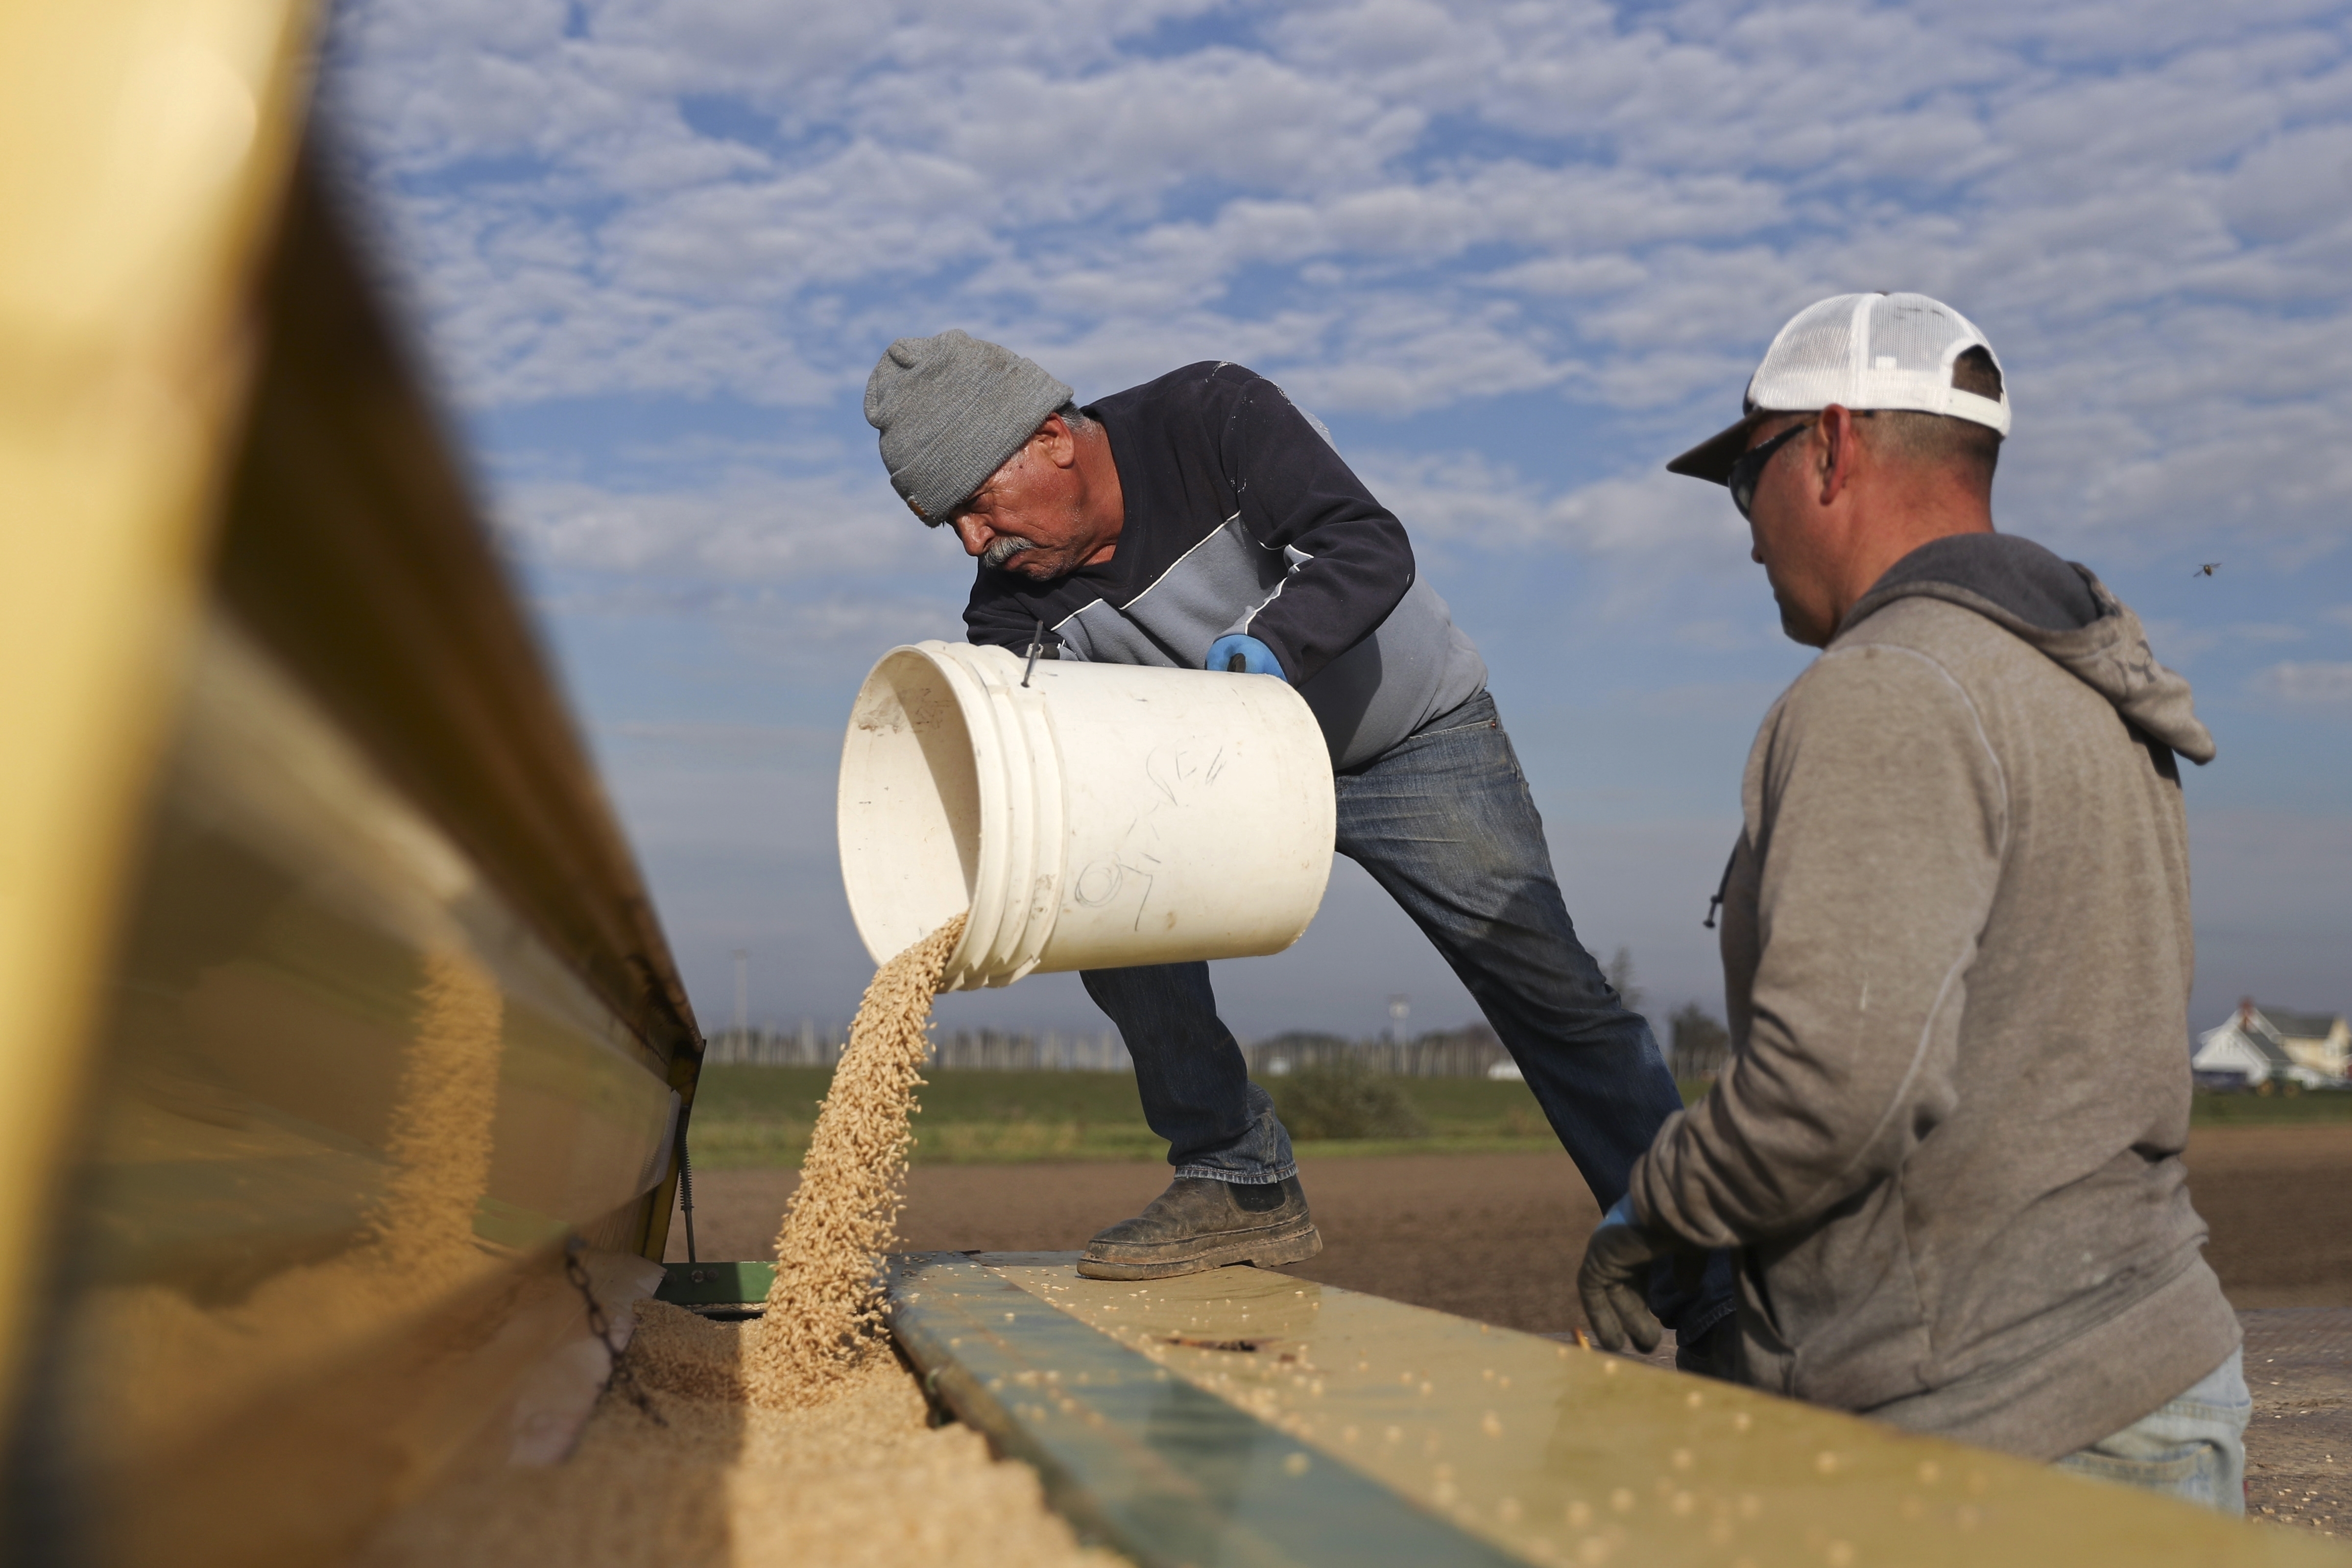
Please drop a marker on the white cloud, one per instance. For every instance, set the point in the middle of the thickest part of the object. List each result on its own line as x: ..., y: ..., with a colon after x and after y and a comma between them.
x: 2318, y: 683
x: 2177, y: 644
x: 2149, y: 236
x: 2267, y: 632
x: 1466, y: 498
x: 1398, y: 208
x: 776, y: 639
x: 740, y: 527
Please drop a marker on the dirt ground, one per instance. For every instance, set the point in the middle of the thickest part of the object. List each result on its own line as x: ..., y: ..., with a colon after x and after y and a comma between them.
x: 1499, y: 1236
x: 2299, y: 1443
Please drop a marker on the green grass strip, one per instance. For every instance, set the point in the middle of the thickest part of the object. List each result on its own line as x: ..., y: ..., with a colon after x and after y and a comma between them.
x: 760, y: 1117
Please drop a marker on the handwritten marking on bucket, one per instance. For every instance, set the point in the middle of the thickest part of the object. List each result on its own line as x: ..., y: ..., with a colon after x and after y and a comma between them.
x: 1101, y: 817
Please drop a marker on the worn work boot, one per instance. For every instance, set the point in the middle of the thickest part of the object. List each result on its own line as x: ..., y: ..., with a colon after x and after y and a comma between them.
x: 1201, y: 1224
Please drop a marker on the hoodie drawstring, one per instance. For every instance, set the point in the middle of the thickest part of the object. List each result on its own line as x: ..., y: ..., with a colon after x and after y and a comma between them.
x: 1721, y: 888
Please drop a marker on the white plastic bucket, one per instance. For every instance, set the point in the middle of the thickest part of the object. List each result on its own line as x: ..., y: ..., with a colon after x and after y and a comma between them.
x: 1103, y: 815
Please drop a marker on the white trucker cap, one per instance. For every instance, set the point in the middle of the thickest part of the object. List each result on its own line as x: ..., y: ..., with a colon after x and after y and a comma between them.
x: 1865, y: 351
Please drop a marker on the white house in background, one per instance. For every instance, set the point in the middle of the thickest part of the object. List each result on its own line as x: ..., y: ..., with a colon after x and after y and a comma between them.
x: 2259, y: 1047
x: 2320, y: 1041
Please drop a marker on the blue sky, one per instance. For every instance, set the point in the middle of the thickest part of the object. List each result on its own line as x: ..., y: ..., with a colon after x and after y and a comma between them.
x: 1515, y: 255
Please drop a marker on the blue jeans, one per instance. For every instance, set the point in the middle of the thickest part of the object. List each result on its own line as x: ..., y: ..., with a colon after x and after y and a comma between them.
x: 2192, y: 1446
x: 1443, y: 821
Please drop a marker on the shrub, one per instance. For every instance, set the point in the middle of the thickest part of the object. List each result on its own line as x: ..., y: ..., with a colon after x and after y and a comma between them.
x: 1700, y: 1043
x: 1341, y: 1100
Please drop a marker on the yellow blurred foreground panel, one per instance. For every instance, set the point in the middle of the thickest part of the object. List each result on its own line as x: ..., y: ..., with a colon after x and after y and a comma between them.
x: 142, y: 147
x: 341, y: 1059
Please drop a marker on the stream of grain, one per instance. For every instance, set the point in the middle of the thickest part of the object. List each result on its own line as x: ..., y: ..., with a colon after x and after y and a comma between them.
x: 824, y: 1312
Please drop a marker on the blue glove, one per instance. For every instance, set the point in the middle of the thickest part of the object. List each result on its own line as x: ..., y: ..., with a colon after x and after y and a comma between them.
x: 1618, y: 1262
x: 1243, y: 655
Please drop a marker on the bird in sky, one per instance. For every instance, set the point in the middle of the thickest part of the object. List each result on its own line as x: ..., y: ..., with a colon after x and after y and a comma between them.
x: 2206, y: 569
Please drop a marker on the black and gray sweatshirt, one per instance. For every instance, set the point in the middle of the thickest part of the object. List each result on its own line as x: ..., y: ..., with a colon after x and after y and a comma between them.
x: 1242, y: 518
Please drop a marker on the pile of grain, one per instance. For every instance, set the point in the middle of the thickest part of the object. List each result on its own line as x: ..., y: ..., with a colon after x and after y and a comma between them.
x: 824, y: 1312
x: 859, y: 1479
x: 794, y: 1438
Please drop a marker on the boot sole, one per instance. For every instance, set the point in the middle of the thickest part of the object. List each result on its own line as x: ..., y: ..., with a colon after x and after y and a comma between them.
x: 1294, y: 1243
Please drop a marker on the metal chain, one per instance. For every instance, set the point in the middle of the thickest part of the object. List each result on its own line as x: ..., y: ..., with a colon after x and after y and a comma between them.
x: 623, y: 1378
x: 685, y: 1190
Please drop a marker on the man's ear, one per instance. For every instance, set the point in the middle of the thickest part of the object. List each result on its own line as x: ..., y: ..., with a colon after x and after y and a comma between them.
x: 1057, y: 441
x: 1837, y: 451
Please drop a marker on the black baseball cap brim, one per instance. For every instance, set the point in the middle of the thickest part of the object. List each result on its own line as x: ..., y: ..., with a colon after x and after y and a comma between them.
x: 1712, y: 458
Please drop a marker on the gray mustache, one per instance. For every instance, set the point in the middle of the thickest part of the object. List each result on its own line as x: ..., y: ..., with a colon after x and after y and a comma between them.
x: 1002, y: 551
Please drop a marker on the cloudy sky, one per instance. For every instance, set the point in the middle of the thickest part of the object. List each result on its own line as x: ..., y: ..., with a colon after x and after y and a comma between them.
x: 1515, y: 255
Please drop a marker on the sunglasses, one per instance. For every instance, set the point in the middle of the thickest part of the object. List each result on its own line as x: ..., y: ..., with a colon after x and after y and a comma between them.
x: 1746, y: 473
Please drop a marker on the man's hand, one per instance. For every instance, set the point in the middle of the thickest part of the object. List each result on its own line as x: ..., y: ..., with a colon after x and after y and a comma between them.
x: 1242, y: 655
x: 1617, y: 1268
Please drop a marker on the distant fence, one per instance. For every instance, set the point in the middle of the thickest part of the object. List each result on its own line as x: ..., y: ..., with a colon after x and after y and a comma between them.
x: 810, y: 1046
x: 1460, y: 1053
x: 807, y: 1047
x: 1048, y: 1052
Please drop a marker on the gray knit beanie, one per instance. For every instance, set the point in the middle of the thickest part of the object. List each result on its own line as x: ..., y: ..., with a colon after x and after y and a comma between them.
x: 951, y: 409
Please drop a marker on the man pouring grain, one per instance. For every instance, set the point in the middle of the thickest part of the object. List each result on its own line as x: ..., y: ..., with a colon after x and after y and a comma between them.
x: 1202, y: 520
x: 1957, y: 954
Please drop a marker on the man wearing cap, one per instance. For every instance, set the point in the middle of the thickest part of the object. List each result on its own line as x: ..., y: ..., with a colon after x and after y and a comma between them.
x: 1957, y: 954
x: 1202, y: 520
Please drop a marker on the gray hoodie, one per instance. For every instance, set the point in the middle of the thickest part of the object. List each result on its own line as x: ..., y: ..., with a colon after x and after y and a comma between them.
x: 1957, y: 955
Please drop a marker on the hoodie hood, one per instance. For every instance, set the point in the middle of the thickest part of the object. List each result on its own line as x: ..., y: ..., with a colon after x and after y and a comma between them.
x: 2061, y: 610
